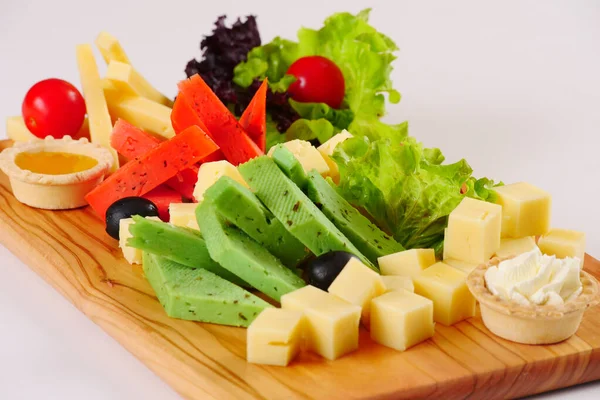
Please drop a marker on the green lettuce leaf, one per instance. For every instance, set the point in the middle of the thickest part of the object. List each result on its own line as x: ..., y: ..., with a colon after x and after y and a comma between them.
x: 307, y: 129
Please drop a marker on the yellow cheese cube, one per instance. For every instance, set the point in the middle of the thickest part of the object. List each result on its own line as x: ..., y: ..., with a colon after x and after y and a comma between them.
x: 406, y: 263
x: 327, y: 149
x: 307, y: 155
x: 95, y: 102
x: 146, y: 114
x: 184, y: 215
x: 210, y: 172
x: 563, y: 243
x: 131, y: 254
x: 401, y: 319
x: 525, y: 210
x: 473, y: 233
x: 129, y: 81
x: 447, y: 288
x: 331, y: 323
x: 394, y: 282
x: 463, y: 266
x: 274, y: 337
x: 358, y: 284
x: 513, y: 247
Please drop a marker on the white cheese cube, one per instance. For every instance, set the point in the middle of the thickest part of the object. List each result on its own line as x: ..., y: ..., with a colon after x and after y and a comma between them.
x: 210, y: 172
x: 274, y: 337
x: 184, y: 215
x: 394, y: 282
x: 401, y: 319
x: 327, y: 149
x: 406, y: 263
x: 525, y: 210
x: 563, y: 243
x: 307, y: 155
x: 514, y: 247
x: 131, y: 254
x: 331, y: 323
x: 358, y: 284
x: 473, y: 233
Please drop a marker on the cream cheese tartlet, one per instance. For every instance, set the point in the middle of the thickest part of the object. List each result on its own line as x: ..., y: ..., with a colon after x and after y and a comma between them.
x: 55, y: 174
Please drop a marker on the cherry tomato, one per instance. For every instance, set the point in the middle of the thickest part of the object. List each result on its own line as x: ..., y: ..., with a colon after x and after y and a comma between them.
x: 319, y: 80
x: 53, y: 107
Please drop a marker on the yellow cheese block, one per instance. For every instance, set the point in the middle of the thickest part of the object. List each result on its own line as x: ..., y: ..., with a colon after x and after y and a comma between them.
x: 563, y: 243
x: 146, y: 114
x: 184, y: 215
x: 130, y: 82
x: 401, y: 319
x: 274, y: 337
x: 95, y: 103
x: 308, y: 156
x: 17, y: 130
x: 210, y: 172
x: 131, y: 254
x: 327, y: 149
x: 393, y: 282
x: 473, y: 233
x: 513, y: 247
x: 331, y: 323
x: 110, y: 48
x: 447, y: 288
x: 358, y: 284
x: 463, y: 266
x: 525, y: 210
x: 406, y: 263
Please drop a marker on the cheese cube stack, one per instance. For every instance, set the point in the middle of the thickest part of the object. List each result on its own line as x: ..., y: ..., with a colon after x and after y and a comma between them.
x: 210, y: 172
x: 358, y: 284
x: 274, y: 337
x: 447, y: 288
x: 473, y: 233
x: 513, y: 247
x: 407, y: 263
x: 131, y: 254
x: 184, y: 215
x: 525, y: 210
x: 563, y: 243
x: 393, y: 283
x: 307, y: 155
x: 463, y: 266
x: 331, y: 323
x: 327, y: 149
x: 401, y: 319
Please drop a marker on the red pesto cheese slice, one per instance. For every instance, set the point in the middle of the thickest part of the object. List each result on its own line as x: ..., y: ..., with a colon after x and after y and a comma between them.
x: 254, y: 118
x: 162, y: 197
x: 222, y: 125
x: 142, y: 174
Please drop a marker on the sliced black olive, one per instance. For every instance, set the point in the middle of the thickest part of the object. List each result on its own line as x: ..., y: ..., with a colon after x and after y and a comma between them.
x: 126, y: 208
x: 322, y: 271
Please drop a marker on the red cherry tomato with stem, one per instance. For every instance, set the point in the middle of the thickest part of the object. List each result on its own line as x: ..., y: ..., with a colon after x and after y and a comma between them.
x: 53, y: 107
x: 319, y: 80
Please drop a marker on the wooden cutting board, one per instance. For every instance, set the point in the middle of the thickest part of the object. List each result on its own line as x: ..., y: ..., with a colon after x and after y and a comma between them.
x: 71, y: 251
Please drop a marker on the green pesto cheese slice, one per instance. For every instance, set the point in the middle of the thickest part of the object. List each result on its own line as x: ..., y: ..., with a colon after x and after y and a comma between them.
x: 182, y: 245
x: 297, y: 213
x: 365, y: 235
x: 244, y: 257
x: 200, y: 295
x: 238, y: 205
x: 290, y: 166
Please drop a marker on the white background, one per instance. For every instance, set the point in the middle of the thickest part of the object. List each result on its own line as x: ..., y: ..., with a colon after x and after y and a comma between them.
x: 513, y: 87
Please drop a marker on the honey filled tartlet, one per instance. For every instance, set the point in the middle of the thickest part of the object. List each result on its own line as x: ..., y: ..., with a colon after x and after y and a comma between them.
x: 533, y: 298
x: 55, y: 174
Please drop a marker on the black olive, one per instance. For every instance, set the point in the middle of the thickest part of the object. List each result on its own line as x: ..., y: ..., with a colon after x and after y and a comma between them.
x: 322, y: 271
x: 126, y: 208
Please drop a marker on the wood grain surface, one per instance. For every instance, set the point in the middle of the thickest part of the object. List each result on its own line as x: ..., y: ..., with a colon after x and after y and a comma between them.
x: 71, y: 251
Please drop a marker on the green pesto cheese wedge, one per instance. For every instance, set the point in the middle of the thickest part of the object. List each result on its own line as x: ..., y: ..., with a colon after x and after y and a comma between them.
x: 199, y: 295
x: 244, y: 257
x: 291, y: 206
x: 290, y: 166
x: 182, y: 245
x: 238, y: 205
x: 365, y: 235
